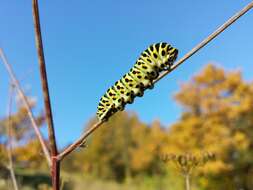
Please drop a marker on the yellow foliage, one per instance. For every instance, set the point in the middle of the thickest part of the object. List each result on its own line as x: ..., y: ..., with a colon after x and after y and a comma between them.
x: 217, y: 118
x: 241, y: 142
x: 30, y: 155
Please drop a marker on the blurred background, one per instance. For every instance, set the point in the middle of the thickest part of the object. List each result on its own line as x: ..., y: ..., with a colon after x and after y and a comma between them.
x: 204, y: 106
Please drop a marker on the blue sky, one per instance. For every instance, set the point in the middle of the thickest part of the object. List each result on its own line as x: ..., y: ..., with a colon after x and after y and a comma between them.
x: 90, y: 44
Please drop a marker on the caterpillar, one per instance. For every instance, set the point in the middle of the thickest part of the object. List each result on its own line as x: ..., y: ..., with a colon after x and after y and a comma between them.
x: 156, y: 58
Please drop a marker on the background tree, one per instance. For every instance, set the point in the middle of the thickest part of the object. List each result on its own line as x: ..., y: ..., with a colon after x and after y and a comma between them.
x: 26, y: 147
x: 123, y: 148
x: 217, y: 117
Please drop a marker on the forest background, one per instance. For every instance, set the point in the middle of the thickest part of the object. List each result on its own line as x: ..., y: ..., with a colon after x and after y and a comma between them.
x: 127, y: 153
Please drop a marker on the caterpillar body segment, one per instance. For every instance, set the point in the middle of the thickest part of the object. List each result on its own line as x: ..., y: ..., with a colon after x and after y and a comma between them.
x: 124, y: 92
x: 132, y: 85
x: 104, y: 108
x: 148, y: 71
x: 115, y: 98
x: 140, y: 77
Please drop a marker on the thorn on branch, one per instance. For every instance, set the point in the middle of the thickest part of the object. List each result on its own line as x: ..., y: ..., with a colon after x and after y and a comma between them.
x: 83, y: 144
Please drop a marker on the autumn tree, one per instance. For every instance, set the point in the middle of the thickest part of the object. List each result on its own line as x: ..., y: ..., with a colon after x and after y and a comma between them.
x: 123, y: 148
x: 217, y: 117
x: 26, y: 150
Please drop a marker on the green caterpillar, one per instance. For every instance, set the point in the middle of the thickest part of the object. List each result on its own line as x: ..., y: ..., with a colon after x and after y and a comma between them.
x: 158, y: 57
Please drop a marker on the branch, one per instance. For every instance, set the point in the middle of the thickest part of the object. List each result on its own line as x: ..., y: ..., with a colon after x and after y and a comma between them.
x: 43, y: 77
x: 27, y: 106
x: 229, y: 22
x: 9, y: 148
x: 55, y: 170
x: 207, y: 39
x: 79, y: 142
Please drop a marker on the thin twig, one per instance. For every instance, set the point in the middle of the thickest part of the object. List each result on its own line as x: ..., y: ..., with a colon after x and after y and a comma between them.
x: 27, y: 106
x: 10, y: 136
x: 55, y: 170
x: 77, y: 143
x: 207, y: 40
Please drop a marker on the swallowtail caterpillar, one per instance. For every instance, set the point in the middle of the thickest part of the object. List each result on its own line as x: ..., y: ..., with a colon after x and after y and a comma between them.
x: 158, y: 57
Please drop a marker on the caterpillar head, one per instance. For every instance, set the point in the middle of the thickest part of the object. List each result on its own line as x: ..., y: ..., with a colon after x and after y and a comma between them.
x: 171, y: 55
x: 163, y: 54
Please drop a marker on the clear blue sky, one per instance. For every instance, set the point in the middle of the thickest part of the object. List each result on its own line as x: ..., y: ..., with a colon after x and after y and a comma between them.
x: 90, y: 44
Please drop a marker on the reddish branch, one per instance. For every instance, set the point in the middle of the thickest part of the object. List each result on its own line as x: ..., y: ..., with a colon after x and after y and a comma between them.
x: 43, y: 75
x: 55, y: 170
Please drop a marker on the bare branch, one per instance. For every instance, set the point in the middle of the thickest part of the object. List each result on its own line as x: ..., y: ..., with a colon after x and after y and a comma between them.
x: 55, y: 170
x: 229, y: 22
x: 79, y: 141
x: 43, y: 75
x: 10, y: 136
x: 208, y: 39
x: 27, y: 106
